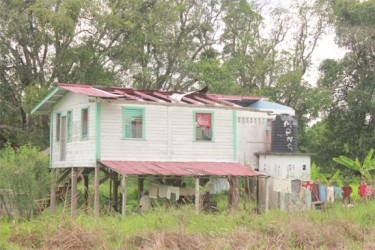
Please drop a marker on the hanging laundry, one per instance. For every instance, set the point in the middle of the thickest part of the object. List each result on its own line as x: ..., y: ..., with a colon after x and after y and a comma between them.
x: 307, y: 195
x: 144, y: 203
x: 163, y: 191
x: 369, y: 191
x: 322, y: 192
x: 315, y: 192
x: 338, y: 193
x: 154, y: 188
x: 330, y: 192
x: 362, y: 190
x: 219, y: 184
x: 346, y: 191
x: 296, y: 186
x: 187, y: 191
x: 287, y: 186
x: 277, y: 184
x: 307, y: 184
x: 173, y: 190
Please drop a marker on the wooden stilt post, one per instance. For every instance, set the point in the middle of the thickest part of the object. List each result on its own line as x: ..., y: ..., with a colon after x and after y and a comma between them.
x: 115, y: 191
x: 96, y: 190
x: 53, y: 192
x: 140, y: 188
x: 74, y: 197
x: 267, y: 193
x: 197, y: 195
x: 123, y: 191
x: 86, y: 191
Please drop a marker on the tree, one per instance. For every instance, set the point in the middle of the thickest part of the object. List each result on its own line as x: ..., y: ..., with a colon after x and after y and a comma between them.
x: 350, y: 119
x: 364, y: 168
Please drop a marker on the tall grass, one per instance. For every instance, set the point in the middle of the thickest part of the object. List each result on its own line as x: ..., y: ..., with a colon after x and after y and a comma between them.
x: 333, y: 228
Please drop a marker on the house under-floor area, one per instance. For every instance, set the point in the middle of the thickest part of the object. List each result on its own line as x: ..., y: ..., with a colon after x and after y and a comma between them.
x: 164, y: 180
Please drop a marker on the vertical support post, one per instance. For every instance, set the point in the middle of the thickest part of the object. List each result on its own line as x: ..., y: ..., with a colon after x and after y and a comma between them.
x: 234, y: 192
x: 86, y: 191
x: 140, y: 188
x: 123, y: 190
x: 115, y: 190
x: 197, y: 195
x: 96, y: 190
x: 74, y: 197
x: 267, y: 193
x: 53, y: 192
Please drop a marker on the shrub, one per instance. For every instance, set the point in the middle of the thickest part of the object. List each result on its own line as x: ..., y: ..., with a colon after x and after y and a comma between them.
x: 24, y: 178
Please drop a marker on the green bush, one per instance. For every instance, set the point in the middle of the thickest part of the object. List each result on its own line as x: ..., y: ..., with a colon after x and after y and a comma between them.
x: 24, y: 178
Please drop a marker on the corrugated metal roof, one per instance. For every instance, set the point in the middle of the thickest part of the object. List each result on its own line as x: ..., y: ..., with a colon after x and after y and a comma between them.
x: 180, y: 168
x: 191, y: 98
x: 87, y: 90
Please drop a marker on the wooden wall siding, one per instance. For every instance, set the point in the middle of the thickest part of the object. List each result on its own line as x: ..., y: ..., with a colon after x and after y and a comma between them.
x: 168, y: 135
x: 252, y: 138
x: 79, y: 153
x: 114, y: 147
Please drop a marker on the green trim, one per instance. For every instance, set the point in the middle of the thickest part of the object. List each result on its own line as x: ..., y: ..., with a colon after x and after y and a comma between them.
x: 143, y: 109
x: 52, y: 93
x: 88, y: 123
x: 57, y: 114
x: 50, y: 138
x: 234, y: 124
x: 98, y: 130
x: 212, y: 125
x: 69, y: 129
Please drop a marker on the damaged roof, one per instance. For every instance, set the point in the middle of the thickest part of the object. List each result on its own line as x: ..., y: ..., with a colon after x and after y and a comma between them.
x: 128, y: 94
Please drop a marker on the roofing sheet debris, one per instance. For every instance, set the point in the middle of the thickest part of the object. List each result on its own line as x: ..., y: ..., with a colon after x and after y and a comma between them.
x: 180, y: 168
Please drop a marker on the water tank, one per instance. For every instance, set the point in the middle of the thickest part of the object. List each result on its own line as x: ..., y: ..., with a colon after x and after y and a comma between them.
x: 284, y: 134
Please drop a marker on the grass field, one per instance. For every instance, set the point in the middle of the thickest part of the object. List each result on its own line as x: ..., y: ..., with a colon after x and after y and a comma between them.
x: 336, y: 227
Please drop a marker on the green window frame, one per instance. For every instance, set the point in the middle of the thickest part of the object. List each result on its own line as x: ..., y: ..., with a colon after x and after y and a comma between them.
x: 69, y: 125
x: 85, y: 123
x: 203, y: 124
x: 134, y: 125
x: 58, y: 126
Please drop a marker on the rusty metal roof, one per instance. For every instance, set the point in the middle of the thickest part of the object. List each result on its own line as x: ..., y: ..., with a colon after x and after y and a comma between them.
x: 180, y: 168
x: 127, y: 94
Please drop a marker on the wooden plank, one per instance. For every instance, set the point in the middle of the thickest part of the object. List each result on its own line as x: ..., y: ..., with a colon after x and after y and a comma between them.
x: 96, y: 190
x: 74, y: 197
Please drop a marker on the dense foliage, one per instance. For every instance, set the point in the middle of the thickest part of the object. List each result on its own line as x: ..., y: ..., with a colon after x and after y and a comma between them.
x: 24, y: 177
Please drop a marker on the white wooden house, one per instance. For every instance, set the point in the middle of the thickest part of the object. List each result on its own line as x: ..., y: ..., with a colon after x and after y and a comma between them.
x: 116, y: 127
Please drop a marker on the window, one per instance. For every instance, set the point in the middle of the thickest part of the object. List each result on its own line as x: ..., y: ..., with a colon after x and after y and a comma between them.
x: 69, y: 125
x: 84, y: 124
x: 134, y: 123
x: 58, y: 121
x: 203, y: 126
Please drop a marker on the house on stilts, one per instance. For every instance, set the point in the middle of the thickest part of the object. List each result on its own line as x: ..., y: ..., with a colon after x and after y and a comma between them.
x: 125, y: 132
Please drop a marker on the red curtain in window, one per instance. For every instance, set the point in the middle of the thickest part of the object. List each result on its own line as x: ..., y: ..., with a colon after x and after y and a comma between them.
x: 203, y: 120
